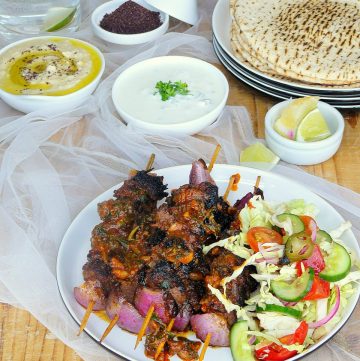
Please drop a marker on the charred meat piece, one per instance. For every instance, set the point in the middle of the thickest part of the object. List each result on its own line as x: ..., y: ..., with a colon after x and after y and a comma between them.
x: 185, y: 349
x: 95, y: 269
x: 222, y: 264
x: 143, y: 187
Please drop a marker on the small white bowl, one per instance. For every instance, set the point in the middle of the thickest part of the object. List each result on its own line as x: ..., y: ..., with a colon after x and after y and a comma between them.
x: 305, y: 153
x: 184, y: 10
x: 126, y: 39
x: 136, y: 101
x: 31, y: 103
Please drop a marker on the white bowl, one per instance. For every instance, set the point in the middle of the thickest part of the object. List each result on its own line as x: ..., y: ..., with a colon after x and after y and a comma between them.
x: 135, y: 98
x: 184, y: 10
x: 305, y: 153
x: 126, y: 39
x: 31, y: 103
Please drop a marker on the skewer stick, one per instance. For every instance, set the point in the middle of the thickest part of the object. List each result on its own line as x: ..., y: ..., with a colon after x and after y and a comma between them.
x: 86, y: 316
x: 162, y: 344
x: 109, y: 328
x: 204, y: 348
x: 229, y: 187
x: 214, y: 157
x: 144, y: 325
x: 257, y: 183
x: 149, y: 165
x: 150, y: 161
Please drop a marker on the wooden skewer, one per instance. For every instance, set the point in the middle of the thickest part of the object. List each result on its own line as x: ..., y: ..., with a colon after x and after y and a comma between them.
x: 149, y: 165
x: 229, y: 187
x: 214, y: 157
x: 86, y: 316
x: 150, y: 162
x: 162, y: 344
x: 257, y: 183
x: 109, y: 328
x: 204, y: 348
x: 144, y: 325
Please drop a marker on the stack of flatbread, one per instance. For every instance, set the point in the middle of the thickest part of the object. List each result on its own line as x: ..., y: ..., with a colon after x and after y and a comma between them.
x: 309, y: 41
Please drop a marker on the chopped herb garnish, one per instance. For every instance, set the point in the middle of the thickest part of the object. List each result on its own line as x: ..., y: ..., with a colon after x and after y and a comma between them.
x: 170, y: 89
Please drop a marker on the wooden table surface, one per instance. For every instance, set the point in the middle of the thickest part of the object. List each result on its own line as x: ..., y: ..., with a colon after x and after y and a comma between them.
x: 22, y: 337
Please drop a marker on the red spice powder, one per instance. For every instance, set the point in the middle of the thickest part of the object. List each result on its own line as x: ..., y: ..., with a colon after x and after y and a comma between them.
x: 131, y: 18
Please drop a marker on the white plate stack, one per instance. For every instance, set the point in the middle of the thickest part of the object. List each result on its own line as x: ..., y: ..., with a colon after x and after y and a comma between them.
x: 279, y: 87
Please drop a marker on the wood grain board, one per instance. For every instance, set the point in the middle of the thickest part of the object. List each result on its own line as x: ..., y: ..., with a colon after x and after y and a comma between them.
x: 23, y: 338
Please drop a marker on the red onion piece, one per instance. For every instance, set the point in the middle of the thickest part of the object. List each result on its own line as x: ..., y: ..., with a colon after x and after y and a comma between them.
x: 252, y: 339
x: 303, y: 250
x: 331, y: 314
x: 182, y: 319
x: 129, y: 318
x: 313, y: 227
x: 199, y: 173
x: 90, y: 291
x: 145, y: 297
x: 214, y: 324
x: 288, y: 304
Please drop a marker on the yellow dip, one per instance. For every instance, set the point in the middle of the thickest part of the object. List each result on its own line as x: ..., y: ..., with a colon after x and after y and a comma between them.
x: 51, y: 66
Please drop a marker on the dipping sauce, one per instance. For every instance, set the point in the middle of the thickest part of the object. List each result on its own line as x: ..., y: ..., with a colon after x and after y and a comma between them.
x: 136, y: 94
x: 50, y: 66
x: 131, y: 18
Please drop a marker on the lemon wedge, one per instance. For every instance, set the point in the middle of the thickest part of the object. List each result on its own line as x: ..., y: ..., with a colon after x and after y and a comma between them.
x: 58, y: 17
x: 312, y: 128
x: 293, y: 114
x: 259, y: 153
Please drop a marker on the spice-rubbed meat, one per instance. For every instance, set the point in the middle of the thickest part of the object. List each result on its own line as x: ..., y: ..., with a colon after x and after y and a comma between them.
x: 113, y: 260
x: 195, y: 214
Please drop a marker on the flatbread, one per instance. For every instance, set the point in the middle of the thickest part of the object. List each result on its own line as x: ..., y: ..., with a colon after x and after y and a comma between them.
x: 242, y: 51
x: 301, y: 39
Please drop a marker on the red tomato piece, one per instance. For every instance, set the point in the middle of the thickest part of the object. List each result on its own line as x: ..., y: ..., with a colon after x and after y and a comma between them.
x: 258, y: 235
x: 316, y: 260
x: 298, y: 337
x: 309, y: 223
x: 320, y: 289
x: 274, y: 352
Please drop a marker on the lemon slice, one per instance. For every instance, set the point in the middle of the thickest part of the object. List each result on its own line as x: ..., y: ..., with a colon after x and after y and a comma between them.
x: 58, y: 17
x: 258, y: 153
x: 293, y: 114
x: 312, y: 128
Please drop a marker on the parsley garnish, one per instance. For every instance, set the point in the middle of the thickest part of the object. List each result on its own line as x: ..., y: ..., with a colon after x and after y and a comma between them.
x: 170, y: 89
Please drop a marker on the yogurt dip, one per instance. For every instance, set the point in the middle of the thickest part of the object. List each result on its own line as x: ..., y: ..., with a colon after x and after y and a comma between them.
x: 135, y: 92
x: 48, y: 66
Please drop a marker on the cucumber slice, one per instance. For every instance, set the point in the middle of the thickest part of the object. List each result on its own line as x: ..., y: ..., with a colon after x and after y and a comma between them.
x: 337, y: 264
x: 323, y: 236
x: 280, y: 309
x: 295, y: 291
x: 239, y: 345
x: 297, y: 223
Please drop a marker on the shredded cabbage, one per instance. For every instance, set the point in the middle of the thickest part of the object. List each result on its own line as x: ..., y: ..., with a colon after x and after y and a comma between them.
x: 258, y: 215
x: 232, y: 244
x: 299, y: 207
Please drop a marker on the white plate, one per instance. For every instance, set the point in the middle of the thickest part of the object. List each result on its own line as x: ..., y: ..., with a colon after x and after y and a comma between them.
x: 221, y: 24
x: 270, y: 90
x: 76, y: 244
x: 351, y: 98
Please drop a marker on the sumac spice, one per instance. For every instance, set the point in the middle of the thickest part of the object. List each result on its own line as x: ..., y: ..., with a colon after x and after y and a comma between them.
x: 131, y: 18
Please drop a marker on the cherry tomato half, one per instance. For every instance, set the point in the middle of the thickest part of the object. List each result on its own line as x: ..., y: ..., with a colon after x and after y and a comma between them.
x: 258, y: 235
